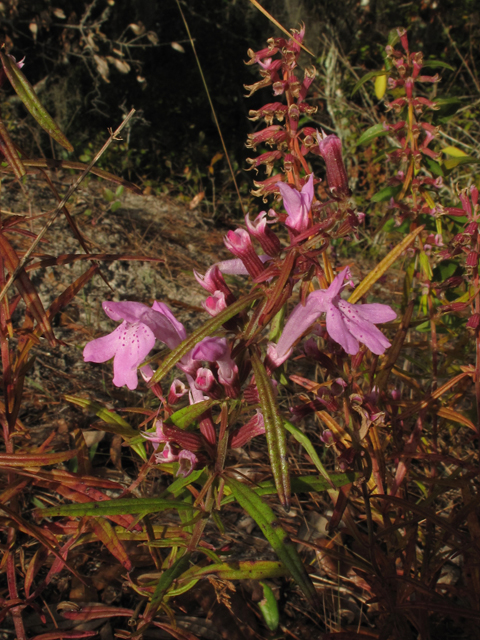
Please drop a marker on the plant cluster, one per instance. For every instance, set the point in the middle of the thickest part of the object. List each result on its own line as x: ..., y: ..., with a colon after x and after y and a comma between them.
x: 385, y: 415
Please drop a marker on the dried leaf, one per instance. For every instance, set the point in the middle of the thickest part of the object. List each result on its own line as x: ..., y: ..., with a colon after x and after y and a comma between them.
x: 102, y: 67
x: 196, y: 200
x: 121, y: 65
x: 177, y: 47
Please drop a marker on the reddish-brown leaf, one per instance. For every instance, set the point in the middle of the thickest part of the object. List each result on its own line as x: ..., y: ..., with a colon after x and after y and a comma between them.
x: 11, y: 461
x: 97, y: 611
x: 107, y: 535
x: 26, y: 289
x: 8, y: 149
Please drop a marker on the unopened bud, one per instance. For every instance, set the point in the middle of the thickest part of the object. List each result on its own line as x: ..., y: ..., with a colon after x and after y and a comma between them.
x: 330, y: 148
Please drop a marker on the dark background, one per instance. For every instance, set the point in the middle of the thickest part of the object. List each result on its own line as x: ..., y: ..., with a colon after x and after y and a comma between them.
x: 173, y: 138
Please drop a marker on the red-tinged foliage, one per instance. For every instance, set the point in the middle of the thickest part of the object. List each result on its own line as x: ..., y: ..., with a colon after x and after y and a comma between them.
x: 398, y: 549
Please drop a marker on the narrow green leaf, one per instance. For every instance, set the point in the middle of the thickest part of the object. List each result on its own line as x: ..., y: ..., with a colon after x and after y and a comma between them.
x: 113, y: 423
x: 118, y: 425
x: 180, y: 483
x: 176, y: 570
x: 301, y: 484
x: 371, y: 133
x: 269, y: 608
x: 274, y: 430
x: 206, y: 330
x: 451, y: 163
x: 368, y: 76
x: 433, y: 64
x: 275, y: 534
x: 386, y: 193
x: 27, y: 95
x: 117, y: 507
x: 309, y: 448
x: 184, y: 417
x: 242, y: 570
x: 384, y: 265
x: 454, y: 152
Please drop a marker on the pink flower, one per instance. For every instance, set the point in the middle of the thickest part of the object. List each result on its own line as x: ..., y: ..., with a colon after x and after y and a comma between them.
x: 213, y: 281
x: 186, y: 458
x: 215, y: 304
x: 348, y: 324
x: 177, y: 391
x: 132, y: 341
x: 297, y: 204
x: 217, y: 350
x: 205, y: 380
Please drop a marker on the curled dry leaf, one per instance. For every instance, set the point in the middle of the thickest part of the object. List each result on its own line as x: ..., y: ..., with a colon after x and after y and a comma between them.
x: 137, y: 28
x: 152, y: 36
x: 33, y: 26
x: 59, y: 13
x: 102, y: 66
x: 196, y: 200
x: 121, y: 65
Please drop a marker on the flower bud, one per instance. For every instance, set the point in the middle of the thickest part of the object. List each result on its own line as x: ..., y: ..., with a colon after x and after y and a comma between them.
x: 240, y: 244
x: 177, y: 391
x: 215, y: 304
x: 260, y: 230
x: 330, y: 148
x: 254, y: 427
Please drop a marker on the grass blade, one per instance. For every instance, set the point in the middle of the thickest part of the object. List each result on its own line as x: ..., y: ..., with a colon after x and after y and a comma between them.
x: 27, y: 95
x: 275, y: 534
x: 274, y: 430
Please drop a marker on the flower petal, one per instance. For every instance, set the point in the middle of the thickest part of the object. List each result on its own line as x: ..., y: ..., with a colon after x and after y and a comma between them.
x: 359, y: 322
x: 368, y: 333
x: 301, y: 318
x: 376, y: 312
x: 129, y: 311
x: 236, y: 267
x: 292, y: 200
x: 337, y: 284
x: 339, y: 331
x: 162, y: 308
x: 134, y: 343
x: 187, y: 460
x: 297, y: 204
x: 102, y: 349
x: 211, y: 349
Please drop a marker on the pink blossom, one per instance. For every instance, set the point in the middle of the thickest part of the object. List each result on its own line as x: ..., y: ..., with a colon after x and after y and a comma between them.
x: 297, y: 204
x: 217, y: 350
x: 205, y: 380
x: 348, y: 324
x: 177, y: 391
x: 215, y: 304
x: 132, y: 341
x: 186, y: 458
